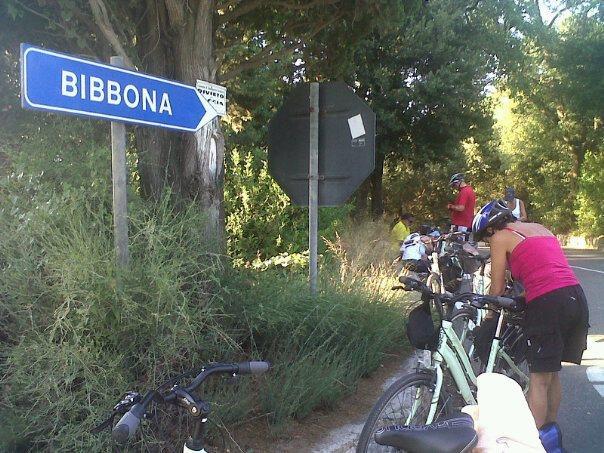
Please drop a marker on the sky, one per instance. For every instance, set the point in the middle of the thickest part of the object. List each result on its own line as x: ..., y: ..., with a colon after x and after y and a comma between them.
x: 549, y: 9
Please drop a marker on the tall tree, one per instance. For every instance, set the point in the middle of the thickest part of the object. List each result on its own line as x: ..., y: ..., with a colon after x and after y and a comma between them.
x: 427, y: 78
x: 555, y: 119
x: 189, y: 40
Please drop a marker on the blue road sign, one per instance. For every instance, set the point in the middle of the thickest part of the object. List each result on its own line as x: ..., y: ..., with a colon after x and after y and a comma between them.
x: 57, y: 82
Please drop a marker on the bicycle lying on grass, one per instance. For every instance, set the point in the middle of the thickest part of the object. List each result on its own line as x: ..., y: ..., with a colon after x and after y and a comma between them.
x: 133, y: 406
x: 422, y: 397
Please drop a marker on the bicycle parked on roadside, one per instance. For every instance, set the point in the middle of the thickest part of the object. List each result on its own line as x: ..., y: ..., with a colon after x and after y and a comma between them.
x: 134, y: 407
x: 425, y: 395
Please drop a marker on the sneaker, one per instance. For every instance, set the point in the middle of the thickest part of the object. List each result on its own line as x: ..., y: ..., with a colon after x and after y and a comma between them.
x: 551, y: 438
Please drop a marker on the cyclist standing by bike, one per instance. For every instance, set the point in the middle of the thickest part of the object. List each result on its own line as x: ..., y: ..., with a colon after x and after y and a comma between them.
x: 462, y: 209
x: 556, y: 318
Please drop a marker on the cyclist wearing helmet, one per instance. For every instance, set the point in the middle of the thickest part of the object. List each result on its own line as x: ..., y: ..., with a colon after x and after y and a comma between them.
x: 462, y: 210
x: 556, y: 317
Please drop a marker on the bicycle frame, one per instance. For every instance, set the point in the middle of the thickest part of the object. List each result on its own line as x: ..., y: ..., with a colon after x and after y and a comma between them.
x: 435, y: 272
x: 451, y: 352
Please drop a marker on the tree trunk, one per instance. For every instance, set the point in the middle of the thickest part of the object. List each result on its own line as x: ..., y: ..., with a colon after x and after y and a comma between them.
x: 360, y: 200
x: 202, y: 154
x: 157, y: 148
x: 377, y: 192
x: 179, y: 44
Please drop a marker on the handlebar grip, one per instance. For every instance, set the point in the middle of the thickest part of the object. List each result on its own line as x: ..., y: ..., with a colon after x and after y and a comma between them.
x: 128, y: 424
x: 413, y: 284
x: 504, y: 302
x: 253, y: 367
x: 408, y: 281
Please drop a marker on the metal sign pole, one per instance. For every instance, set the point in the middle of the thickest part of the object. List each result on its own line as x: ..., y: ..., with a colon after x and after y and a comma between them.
x: 313, y: 187
x: 118, y: 168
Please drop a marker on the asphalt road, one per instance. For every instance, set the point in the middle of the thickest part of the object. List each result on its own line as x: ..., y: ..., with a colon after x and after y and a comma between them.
x: 581, y: 415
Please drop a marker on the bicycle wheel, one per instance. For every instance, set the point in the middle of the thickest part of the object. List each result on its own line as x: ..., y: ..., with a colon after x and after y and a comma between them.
x: 515, y: 346
x: 406, y: 402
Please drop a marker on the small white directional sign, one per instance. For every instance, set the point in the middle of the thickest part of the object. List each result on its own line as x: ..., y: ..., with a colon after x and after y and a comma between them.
x: 57, y: 82
x: 214, y: 94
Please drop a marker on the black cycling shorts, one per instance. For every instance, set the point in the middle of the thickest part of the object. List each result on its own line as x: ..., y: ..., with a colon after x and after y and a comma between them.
x: 556, y: 326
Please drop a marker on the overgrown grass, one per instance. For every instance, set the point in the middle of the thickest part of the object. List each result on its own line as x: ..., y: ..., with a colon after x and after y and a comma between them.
x: 320, y: 347
x: 75, y: 333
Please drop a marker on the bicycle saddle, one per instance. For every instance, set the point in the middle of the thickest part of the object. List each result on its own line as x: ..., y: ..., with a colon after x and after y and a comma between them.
x: 454, y: 434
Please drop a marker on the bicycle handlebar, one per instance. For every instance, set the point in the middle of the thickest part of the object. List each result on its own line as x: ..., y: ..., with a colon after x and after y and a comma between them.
x: 503, y: 302
x: 414, y: 285
x: 255, y: 367
x: 127, y: 426
x: 477, y: 300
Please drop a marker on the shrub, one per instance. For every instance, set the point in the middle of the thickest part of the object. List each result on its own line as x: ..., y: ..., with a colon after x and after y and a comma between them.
x: 76, y: 332
x: 260, y: 220
x: 320, y: 346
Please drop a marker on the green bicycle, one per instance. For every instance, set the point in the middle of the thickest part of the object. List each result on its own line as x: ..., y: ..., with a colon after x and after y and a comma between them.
x: 423, y: 396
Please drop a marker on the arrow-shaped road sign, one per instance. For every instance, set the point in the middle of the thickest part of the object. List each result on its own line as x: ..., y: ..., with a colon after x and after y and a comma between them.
x: 57, y: 82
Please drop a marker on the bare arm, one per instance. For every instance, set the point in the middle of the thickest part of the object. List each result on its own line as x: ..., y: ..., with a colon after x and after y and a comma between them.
x: 456, y: 207
x: 523, y: 216
x: 498, y: 264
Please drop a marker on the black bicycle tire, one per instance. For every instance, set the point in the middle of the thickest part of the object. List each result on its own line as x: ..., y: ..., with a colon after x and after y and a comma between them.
x: 398, y: 386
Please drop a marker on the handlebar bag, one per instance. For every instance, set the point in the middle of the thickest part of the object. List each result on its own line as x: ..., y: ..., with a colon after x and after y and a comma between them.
x: 421, y: 332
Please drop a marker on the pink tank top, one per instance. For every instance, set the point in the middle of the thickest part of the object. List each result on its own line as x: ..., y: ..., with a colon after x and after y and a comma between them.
x: 540, y: 265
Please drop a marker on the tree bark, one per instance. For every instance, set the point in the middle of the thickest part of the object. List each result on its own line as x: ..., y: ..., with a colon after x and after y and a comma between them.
x: 202, y: 154
x: 179, y: 44
x: 377, y: 192
x: 157, y: 148
x: 360, y: 200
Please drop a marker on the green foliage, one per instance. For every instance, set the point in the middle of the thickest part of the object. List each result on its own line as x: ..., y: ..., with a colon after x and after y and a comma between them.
x: 293, y: 261
x: 426, y: 80
x: 423, y: 193
x: 590, y: 209
x: 75, y: 333
x: 320, y: 347
x: 261, y: 221
x: 552, y: 126
x: 538, y: 165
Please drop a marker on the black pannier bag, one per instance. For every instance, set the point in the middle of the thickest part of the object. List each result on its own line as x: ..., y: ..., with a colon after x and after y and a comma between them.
x: 451, y: 271
x: 421, y: 332
x: 469, y: 263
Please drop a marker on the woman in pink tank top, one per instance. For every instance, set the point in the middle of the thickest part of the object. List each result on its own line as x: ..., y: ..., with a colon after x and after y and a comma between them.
x: 556, y: 318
